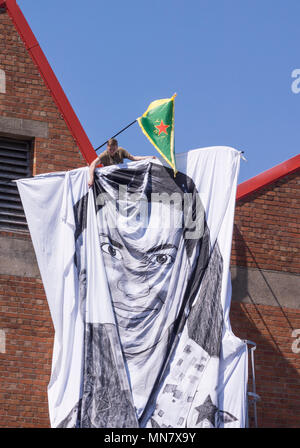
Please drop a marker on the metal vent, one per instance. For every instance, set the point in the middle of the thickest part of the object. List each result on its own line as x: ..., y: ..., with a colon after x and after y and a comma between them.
x: 14, y: 164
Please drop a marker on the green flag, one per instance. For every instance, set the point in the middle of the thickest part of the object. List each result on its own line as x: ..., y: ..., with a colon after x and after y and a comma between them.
x: 157, y: 123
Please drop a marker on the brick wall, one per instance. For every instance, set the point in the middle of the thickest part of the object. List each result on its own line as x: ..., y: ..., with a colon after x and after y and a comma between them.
x: 277, y: 368
x: 26, y: 363
x: 25, y: 323
x: 267, y: 227
x: 266, y: 243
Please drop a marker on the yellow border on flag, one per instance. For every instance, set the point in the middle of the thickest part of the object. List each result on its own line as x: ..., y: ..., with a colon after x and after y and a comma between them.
x: 153, y: 105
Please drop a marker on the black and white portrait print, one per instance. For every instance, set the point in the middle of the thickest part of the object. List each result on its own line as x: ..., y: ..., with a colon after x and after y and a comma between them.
x: 155, y: 244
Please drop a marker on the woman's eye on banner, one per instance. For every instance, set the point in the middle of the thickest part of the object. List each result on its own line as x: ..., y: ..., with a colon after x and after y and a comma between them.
x: 111, y: 250
x: 161, y: 259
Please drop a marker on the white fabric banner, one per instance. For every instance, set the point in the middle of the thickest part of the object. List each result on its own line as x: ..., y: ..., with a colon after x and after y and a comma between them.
x: 136, y: 274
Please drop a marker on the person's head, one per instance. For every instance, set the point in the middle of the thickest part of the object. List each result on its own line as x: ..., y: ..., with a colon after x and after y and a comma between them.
x: 112, y: 145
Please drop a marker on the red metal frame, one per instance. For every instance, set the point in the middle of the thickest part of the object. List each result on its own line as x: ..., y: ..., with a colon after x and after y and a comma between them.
x: 265, y: 178
x: 50, y: 79
x: 74, y: 124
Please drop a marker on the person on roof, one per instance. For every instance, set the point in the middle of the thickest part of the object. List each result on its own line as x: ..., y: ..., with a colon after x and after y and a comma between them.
x: 113, y: 155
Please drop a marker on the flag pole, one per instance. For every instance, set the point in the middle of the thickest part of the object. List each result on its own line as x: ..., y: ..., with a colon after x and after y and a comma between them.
x: 122, y: 130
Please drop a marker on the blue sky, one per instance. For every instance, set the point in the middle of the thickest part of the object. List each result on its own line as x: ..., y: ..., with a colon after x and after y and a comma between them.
x: 230, y: 62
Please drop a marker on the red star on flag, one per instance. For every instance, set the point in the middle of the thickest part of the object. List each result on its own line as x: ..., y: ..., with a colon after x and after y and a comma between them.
x: 162, y: 127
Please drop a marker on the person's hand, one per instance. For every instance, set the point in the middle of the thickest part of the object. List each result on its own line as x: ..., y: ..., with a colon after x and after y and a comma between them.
x: 91, y: 181
x: 154, y: 157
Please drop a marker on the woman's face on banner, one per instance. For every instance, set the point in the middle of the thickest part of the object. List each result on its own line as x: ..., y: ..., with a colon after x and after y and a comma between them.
x: 139, y: 257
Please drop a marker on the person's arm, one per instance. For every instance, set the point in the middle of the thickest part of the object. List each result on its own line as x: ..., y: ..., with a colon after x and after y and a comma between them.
x: 136, y: 158
x: 92, y: 171
x: 129, y: 156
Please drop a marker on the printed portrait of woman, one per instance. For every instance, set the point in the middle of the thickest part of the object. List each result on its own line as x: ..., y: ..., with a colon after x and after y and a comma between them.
x: 155, y: 245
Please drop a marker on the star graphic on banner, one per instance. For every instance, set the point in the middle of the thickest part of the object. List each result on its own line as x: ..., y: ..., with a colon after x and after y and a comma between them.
x: 208, y: 411
x: 162, y: 127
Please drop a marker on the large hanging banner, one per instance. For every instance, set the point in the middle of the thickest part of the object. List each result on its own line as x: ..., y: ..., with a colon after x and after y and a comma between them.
x: 136, y: 273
